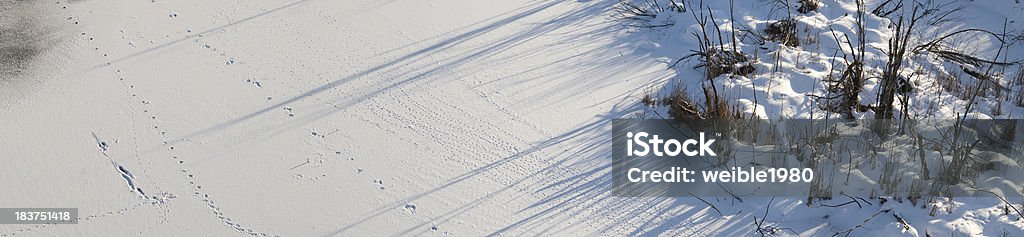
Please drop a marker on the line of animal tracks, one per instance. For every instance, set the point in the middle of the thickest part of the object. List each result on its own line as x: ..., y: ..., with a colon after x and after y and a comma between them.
x: 320, y: 118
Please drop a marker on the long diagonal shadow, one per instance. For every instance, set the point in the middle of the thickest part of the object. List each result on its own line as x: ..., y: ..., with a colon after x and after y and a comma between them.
x: 455, y: 180
x: 196, y: 35
x: 475, y: 55
x: 454, y: 41
x: 477, y: 171
x: 215, y: 29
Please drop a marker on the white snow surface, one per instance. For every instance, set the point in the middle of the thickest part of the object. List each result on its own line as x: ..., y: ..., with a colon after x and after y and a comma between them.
x: 398, y: 118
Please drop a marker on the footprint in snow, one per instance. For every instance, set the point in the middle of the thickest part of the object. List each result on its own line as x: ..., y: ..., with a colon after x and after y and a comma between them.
x: 254, y: 83
x: 290, y: 112
x: 411, y: 208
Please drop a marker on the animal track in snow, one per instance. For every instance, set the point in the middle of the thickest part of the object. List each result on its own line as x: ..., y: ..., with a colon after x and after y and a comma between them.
x: 411, y: 208
x: 161, y: 199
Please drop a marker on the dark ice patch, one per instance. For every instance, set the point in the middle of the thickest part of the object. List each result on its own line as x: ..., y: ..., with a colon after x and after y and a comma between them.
x: 23, y: 35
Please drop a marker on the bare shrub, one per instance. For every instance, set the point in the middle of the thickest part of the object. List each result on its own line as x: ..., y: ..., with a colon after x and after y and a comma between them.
x: 896, y: 53
x: 680, y: 106
x: 845, y: 89
x: 718, y: 62
x: 645, y: 11
x: 1019, y: 81
x: 951, y: 84
x: 714, y: 57
x: 958, y: 168
x: 940, y: 48
x: 649, y: 100
x: 807, y: 6
x: 1019, y: 78
x: 884, y: 9
x: 717, y: 107
x: 783, y: 31
x: 888, y: 178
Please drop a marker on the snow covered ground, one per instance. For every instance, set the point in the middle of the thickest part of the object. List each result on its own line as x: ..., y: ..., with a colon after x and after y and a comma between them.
x: 352, y: 118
